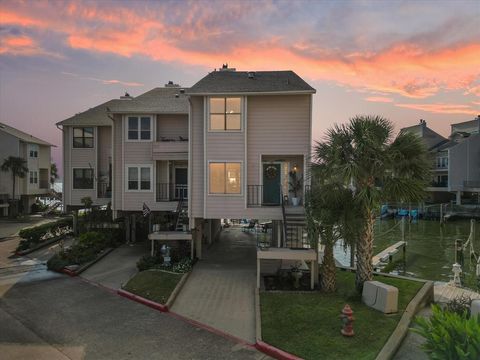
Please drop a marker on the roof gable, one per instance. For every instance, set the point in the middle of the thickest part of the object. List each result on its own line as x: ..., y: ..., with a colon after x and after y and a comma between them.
x: 23, y: 136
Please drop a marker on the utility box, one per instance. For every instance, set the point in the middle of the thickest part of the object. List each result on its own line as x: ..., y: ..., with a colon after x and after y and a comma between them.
x: 475, y: 308
x: 380, y: 296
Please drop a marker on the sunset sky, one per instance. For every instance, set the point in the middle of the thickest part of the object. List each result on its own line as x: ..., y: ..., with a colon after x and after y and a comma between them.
x: 404, y: 60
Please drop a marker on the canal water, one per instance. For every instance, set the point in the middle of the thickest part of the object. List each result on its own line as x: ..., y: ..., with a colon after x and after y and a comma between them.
x: 430, y: 250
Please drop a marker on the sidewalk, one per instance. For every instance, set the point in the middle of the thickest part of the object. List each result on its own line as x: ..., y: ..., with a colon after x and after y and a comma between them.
x: 220, y: 290
x: 411, y: 345
x: 117, y: 267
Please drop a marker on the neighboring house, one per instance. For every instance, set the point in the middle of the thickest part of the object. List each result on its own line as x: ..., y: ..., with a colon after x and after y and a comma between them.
x: 456, y: 161
x: 221, y: 149
x: 36, y: 153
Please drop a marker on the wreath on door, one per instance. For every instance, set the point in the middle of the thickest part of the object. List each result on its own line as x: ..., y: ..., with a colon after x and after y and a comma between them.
x: 271, y: 172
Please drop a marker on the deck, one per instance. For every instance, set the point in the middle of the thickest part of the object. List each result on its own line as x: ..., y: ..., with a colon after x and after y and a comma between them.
x: 387, y: 253
x: 445, y: 292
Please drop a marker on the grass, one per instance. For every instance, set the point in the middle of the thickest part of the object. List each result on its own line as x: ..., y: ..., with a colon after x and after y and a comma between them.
x: 155, y: 285
x: 308, y: 325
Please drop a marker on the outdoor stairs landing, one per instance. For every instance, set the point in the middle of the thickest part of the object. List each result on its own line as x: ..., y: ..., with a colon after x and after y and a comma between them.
x: 295, y: 224
x: 182, y: 218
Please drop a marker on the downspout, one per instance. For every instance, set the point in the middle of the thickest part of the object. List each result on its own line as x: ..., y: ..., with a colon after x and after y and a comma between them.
x: 64, y: 167
x: 114, y: 211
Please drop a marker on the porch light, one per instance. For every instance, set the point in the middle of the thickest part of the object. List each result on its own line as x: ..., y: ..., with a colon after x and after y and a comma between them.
x: 295, y: 167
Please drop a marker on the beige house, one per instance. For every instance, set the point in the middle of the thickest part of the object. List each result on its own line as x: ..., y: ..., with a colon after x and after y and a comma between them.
x: 223, y: 148
x: 36, y: 153
x: 455, y: 161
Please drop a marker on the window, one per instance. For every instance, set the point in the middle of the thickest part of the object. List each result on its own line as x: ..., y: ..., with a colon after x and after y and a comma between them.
x: 225, y: 114
x: 139, y: 178
x: 225, y: 178
x: 33, y: 153
x: 33, y: 177
x: 442, y: 162
x: 83, y: 137
x: 139, y: 128
x: 83, y: 178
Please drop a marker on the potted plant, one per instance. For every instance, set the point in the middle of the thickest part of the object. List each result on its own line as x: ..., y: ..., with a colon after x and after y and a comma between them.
x: 296, y: 274
x: 295, y: 186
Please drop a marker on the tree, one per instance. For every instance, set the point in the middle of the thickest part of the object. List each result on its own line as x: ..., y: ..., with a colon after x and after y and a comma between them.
x: 363, y: 156
x: 53, y: 174
x: 17, y: 166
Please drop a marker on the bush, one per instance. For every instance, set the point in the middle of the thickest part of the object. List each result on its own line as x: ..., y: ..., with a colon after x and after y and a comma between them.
x: 460, y: 305
x: 57, y: 262
x: 34, y: 235
x: 149, y: 262
x: 450, y: 335
x: 183, y: 266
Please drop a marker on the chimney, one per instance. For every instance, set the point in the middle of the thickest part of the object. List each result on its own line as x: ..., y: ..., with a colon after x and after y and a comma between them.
x: 251, y: 75
x: 171, y: 84
x: 126, y: 96
x: 226, y: 68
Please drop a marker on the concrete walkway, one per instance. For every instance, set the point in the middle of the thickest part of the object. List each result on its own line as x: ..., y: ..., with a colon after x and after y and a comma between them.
x: 117, y: 267
x: 220, y: 290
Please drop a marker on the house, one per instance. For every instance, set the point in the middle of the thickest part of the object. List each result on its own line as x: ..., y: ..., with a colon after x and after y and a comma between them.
x: 223, y: 148
x: 455, y: 161
x: 36, y: 153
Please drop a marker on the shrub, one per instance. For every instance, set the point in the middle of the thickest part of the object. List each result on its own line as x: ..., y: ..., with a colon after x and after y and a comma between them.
x: 57, y: 262
x: 459, y: 305
x: 450, y: 335
x: 183, y: 266
x: 149, y: 262
x: 34, y: 235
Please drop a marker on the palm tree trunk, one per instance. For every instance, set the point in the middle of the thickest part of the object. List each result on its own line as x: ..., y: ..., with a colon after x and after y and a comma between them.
x: 13, y: 190
x: 328, y: 270
x: 365, y: 253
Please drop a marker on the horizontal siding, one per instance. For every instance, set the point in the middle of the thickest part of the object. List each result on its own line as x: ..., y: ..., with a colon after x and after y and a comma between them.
x: 172, y: 126
x: 197, y: 167
x: 104, y: 149
x: 117, y: 163
x: 276, y: 125
x: 9, y: 146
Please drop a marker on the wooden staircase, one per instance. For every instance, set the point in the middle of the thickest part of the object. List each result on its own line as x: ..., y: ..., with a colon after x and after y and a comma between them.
x: 295, y: 228
x: 182, y: 217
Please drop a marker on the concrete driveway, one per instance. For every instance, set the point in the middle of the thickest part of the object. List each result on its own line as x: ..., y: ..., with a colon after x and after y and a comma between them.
x: 220, y: 291
x: 68, y: 318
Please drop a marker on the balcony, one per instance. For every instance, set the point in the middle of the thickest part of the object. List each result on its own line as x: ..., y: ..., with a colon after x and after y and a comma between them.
x: 171, y: 192
x: 170, y: 149
x: 439, y: 184
x: 471, y: 184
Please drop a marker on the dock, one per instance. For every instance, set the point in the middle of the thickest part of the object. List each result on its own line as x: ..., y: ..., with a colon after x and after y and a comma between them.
x: 387, y: 254
x: 444, y: 292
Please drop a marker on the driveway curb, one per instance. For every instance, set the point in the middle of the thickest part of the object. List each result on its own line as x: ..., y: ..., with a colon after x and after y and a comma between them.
x: 423, y: 297
x: 87, y: 265
x: 178, y: 288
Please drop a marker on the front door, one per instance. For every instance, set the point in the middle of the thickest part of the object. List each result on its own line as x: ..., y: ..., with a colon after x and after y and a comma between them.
x: 271, y: 184
x: 181, y: 181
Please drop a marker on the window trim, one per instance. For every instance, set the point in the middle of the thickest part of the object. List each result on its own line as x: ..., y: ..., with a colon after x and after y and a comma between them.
x: 35, y: 176
x: 93, y: 178
x: 242, y: 111
x: 93, y: 137
x: 139, y: 166
x: 240, y: 194
x: 152, y: 135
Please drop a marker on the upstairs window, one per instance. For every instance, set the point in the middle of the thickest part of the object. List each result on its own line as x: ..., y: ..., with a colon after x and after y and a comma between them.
x: 33, y: 177
x: 83, y: 137
x: 33, y: 153
x: 139, y: 128
x: 225, y: 178
x: 83, y: 178
x: 139, y: 178
x: 225, y: 114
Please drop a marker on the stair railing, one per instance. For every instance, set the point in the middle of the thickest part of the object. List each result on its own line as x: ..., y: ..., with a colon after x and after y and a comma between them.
x: 284, y: 241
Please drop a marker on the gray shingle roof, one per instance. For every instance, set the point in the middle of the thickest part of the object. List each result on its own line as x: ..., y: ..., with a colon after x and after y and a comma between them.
x: 224, y: 82
x: 166, y: 100
x: 23, y: 136
x: 93, y: 116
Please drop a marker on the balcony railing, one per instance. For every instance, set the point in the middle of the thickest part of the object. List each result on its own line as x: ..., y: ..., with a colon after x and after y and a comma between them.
x: 257, y: 197
x: 439, y: 184
x: 471, y: 184
x: 104, y: 190
x: 171, y: 192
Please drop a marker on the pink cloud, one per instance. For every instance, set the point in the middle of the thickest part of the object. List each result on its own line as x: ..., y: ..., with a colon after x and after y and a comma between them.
x: 380, y: 99
x: 104, y: 81
x: 441, y: 108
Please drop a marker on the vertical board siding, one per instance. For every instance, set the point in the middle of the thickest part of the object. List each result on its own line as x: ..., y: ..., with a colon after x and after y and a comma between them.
x: 118, y: 162
x: 172, y: 126
x: 197, y: 167
x: 277, y: 125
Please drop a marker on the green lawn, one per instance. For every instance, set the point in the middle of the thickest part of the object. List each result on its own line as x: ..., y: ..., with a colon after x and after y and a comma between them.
x: 308, y: 325
x: 154, y: 285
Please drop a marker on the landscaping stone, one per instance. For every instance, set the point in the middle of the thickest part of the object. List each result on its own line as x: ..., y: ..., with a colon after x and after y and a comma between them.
x: 380, y: 296
x: 475, y: 308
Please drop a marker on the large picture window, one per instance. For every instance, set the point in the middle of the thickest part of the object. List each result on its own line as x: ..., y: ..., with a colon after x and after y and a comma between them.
x: 225, y: 177
x: 83, y: 137
x: 139, y: 128
x: 139, y: 178
x: 83, y: 178
x: 225, y: 114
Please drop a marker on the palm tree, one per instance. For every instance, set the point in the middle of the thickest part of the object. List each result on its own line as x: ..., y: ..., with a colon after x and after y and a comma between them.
x: 53, y: 174
x: 17, y: 166
x: 363, y: 156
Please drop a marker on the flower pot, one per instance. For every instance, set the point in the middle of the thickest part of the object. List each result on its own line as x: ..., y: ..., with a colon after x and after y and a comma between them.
x: 297, y: 275
x: 295, y: 201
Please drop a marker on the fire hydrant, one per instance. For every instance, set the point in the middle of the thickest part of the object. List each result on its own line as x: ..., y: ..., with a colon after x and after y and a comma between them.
x: 347, y: 320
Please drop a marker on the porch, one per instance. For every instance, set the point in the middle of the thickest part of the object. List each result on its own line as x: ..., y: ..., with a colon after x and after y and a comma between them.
x: 172, y: 180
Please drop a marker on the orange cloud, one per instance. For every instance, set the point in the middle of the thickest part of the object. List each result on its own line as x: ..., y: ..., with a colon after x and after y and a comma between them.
x: 104, y: 81
x: 379, y: 99
x: 441, y: 108
x: 20, y: 45
x: 405, y: 69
